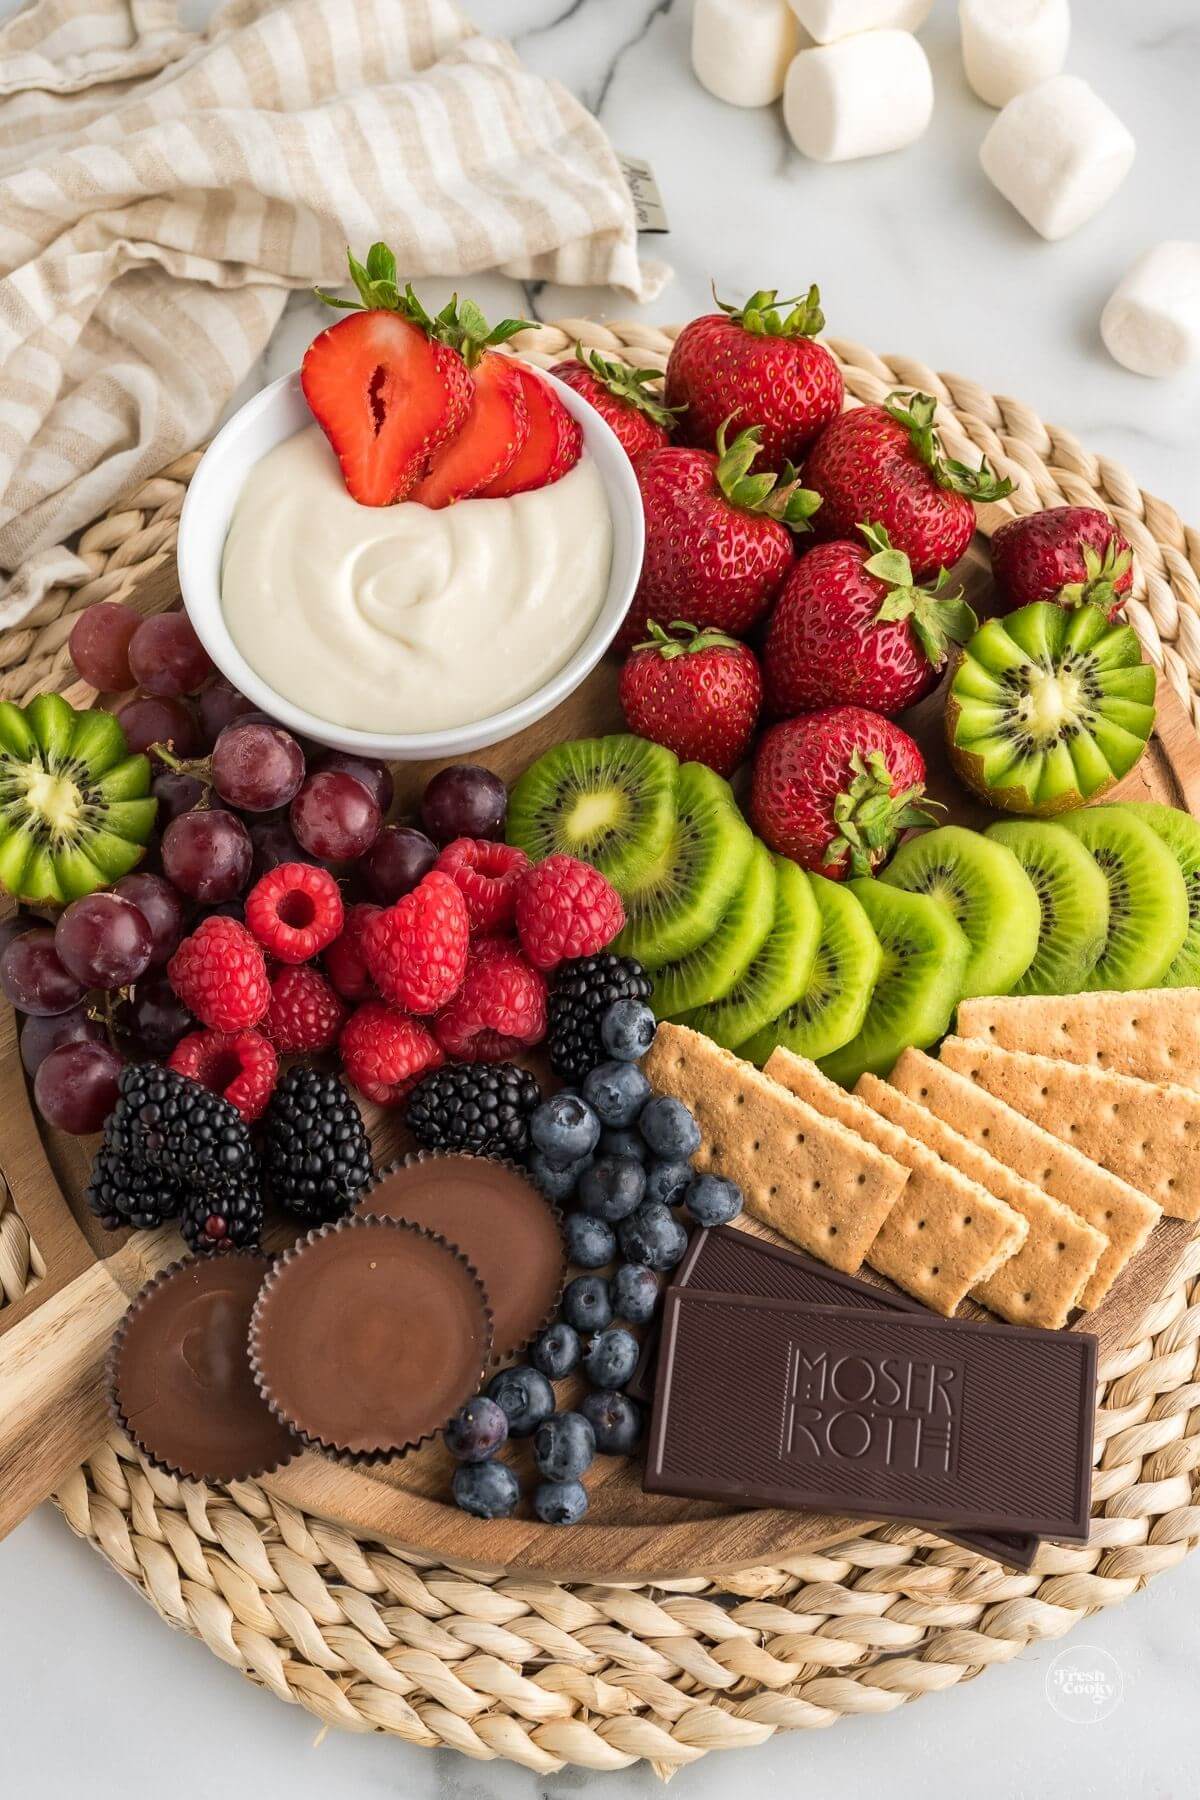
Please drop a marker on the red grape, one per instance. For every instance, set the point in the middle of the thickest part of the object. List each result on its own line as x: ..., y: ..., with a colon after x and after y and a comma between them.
x: 103, y: 941
x: 33, y: 978
x: 396, y: 861
x: 274, y: 842
x: 219, y: 704
x: 15, y: 926
x: 257, y: 767
x: 40, y: 1036
x: 376, y: 777
x: 207, y: 855
x: 162, y: 909
x: 166, y: 656
x: 157, y: 1017
x: 464, y: 801
x: 147, y: 719
x: 99, y: 645
x: 176, y: 794
x: 75, y: 1088
x: 335, y: 816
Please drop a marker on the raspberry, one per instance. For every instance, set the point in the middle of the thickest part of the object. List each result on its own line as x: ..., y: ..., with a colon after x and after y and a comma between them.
x: 417, y: 950
x: 295, y: 911
x: 500, y: 1008
x: 487, y: 873
x: 220, y: 974
x: 384, y: 1052
x: 241, y: 1066
x: 305, y: 1014
x: 344, y: 961
x: 565, y: 908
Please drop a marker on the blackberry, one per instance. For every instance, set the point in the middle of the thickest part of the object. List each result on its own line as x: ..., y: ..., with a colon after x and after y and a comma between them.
x: 479, y: 1108
x: 580, y: 994
x: 316, y: 1153
x: 226, y: 1217
x: 169, y: 1123
x: 121, y: 1194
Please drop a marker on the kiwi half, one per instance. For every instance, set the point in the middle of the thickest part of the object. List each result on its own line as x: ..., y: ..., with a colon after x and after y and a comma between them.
x: 987, y: 891
x: 721, y: 961
x: 1181, y: 834
x: 676, y: 903
x: 1072, y: 896
x: 925, y: 956
x: 1147, y: 899
x: 610, y: 801
x: 833, y: 1004
x: 75, y: 807
x: 1048, y: 708
x: 779, y: 972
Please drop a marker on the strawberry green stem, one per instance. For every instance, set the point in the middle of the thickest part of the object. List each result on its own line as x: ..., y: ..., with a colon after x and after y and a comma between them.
x: 629, y: 385
x: 917, y: 418
x: 460, y: 325
x: 870, y: 818
x: 765, y: 315
x: 937, y: 620
x: 1103, y: 574
x: 779, y: 497
x: 691, y: 639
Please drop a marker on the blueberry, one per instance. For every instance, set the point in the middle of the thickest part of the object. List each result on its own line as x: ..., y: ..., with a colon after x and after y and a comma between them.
x: 476, y: 1431
x: 590, y: 1242
x: 624, y: 1143
x: 564, y: 1128
x: 634, y: 1290
x: 586, y: 1304
x: 556, y: 1180
x: 616, y: 1092
x: 668, y: 1182
x: 611, y: 1358
x: 490, y: 1490
x: 711, y: 1200
x: 526, y: 1397
x: 668, y: 1127
x: 560, y: 1502
x: 616, y: 1421
x: 612, y: 1188
x: 627, y: 1030
x: 563, y: 1447
x: 652, y: 1235
x: 557, y: 1351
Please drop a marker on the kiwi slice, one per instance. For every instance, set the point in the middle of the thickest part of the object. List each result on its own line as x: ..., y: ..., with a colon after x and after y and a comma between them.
x: 779, y: 972
x: 1181, y: 834
x: 833, y: 1005
x: 609, y: 801
x: 989, y: 894
x: 677, y: 902
x: 925, y: 957
x: 721, y: 961
x: 1147, y: 899
x: 75, y: 807
x: 1048, y: 708
x: 1072, y: 902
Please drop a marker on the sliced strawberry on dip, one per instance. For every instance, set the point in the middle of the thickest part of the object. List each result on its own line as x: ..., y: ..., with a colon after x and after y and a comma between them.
x: 554, y: 444
x: 496, y: 427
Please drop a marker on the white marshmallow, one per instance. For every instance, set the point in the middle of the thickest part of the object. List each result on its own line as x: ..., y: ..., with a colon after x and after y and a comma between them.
x: 1011, y: 45
x: 1058, y: 153
x: 860, y: 97
x: 741, y: 48
x: 826, y: 21
x: 1152, y: 322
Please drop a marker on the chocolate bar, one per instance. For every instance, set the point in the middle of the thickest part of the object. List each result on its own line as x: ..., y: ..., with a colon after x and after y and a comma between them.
x: 894, y: 1415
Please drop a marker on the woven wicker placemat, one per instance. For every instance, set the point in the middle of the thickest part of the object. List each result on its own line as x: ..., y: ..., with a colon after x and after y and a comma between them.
x: 548, y: 1674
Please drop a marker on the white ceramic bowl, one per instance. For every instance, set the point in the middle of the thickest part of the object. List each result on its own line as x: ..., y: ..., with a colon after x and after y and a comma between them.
x: 275, y: 414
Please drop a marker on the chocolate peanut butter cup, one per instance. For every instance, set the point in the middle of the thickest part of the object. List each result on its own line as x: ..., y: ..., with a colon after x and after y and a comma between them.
x: 180, y: 1382
x: 505, y: 1227
x: 368, y: 1335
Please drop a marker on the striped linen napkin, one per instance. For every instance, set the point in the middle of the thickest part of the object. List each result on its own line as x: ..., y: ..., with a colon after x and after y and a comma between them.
x: 160, y: 193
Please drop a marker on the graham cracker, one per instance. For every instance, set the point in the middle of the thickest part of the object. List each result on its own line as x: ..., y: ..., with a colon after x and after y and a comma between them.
x: 1146, y: 1132
x: 814, y: 1182
x: 945, y: 1234
x: 1154, y: 1033
x: 1042, y: 1281
x: 1124, y: 1215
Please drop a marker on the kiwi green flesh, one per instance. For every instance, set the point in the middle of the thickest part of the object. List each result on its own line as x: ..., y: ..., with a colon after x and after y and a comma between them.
x: 1181, y: 834
x: 609, y: 801
x: 925, y: 956
x: 1148, y: 905
x: 678, y: 901
x: 777, y: 975
x: 988, y: 894
x: 1072, y: 896
x: 719, y: 964
x: 833, y: 1004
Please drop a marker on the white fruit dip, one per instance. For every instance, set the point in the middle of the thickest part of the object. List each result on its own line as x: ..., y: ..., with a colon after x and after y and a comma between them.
x: 399, y: 618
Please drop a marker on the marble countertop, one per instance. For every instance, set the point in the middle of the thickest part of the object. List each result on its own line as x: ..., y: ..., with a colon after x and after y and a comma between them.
x: 916, y: 253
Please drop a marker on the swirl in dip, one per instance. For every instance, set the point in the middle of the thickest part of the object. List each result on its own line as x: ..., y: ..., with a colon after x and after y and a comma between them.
x: 399, y: 618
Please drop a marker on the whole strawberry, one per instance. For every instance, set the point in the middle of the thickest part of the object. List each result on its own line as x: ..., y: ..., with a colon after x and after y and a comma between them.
x: 718, y: 539
x: 851, y: 628
x: 886, y: 463
x: 623, y: 397
x: 1072, y: 554
x: 761, y: 364
x: 699, y: 693
x: 834, y: 789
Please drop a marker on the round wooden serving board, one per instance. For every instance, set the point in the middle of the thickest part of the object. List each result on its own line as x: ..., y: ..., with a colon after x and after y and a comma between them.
x: 60, y: 1328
